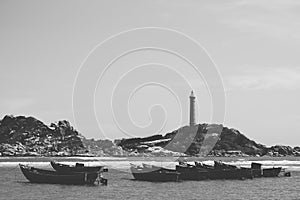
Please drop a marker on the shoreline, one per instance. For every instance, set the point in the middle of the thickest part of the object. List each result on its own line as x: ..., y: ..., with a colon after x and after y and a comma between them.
x: 123, y: 164
x: 161, y: 159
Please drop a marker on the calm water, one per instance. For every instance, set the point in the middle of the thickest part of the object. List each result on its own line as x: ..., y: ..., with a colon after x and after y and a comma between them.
x: 121, y: 186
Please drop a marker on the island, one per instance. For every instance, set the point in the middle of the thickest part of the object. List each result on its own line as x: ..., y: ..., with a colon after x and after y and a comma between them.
x: 28, y: 136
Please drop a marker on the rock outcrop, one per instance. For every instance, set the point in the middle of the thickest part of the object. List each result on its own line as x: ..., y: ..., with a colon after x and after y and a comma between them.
x: 281, y: 150
x: 27, y: 136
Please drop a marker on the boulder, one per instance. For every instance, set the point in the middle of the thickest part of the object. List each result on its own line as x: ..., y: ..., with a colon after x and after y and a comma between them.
x: 282, y: 150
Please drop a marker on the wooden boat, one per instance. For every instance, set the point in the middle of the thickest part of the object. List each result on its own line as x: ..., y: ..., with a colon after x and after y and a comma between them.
x: 78, y: 167
x: 36, y: 175
x: 256, y: 169
x: 267, y: 172
x: 271, y: 172
x: 154, y: 173
x: 247, y: 173
x: 234, y: 172
x: 191, y: 172
x: 224, y: 171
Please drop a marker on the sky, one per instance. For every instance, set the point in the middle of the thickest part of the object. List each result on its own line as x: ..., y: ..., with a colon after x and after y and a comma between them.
x: 53, y: 53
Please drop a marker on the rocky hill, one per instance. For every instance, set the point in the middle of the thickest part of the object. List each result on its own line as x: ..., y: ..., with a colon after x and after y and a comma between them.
x: 200, y: 142
x: 27, y: 136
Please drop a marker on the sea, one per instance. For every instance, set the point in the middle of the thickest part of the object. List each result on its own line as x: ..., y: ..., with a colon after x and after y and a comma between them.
x: 121, y: 184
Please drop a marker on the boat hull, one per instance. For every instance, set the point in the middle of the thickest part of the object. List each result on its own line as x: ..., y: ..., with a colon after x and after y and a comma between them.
x: 192, y: 173
x: 200, y: 171
x: 271, y: 172
x: 36, y: 175
x: 155, y: 175
x: 226, y: 172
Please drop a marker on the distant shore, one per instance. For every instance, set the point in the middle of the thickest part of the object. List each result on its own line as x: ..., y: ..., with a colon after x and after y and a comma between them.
x: 90, y: 159
x: 22, y: 136
x: 290, y: 163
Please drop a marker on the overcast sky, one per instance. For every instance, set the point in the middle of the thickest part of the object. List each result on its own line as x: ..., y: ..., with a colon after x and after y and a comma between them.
x: 255, y: 45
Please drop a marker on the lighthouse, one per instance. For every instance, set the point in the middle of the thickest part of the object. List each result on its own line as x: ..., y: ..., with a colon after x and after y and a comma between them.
x: 192, y: 109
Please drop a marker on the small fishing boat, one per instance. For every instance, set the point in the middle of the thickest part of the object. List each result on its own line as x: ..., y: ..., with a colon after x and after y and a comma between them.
x: 266, y: 172
x: 247, y: 173
x: 256, y: 169
x: 191, y: 172
x: 201, y: 171
x: 78, y: 167
x: 225, y: 171
x: 154, y: 173
x: 36, y: 175
x: 271, y: 172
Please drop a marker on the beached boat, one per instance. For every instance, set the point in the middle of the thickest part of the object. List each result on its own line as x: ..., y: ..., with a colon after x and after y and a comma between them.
x: 153, y: 173
x: 78, y: 167
x: 36, y: 175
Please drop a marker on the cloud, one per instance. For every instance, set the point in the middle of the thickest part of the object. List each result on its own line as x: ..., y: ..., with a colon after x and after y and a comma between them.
x: 265, y: 78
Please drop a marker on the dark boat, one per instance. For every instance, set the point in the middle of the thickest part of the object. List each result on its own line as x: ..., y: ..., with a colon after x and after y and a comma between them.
x: 201, y: 171
x: 271, y: 172
x: 153, y: 173
x: 36, y: 175
x: 78, y: 167
x: 233, y: 172
x: 256, y: 169
x: 247, y: 173
x: 191, y: 172
x: 267, y: 172
x: 224, y: 171
x: 237, y: 172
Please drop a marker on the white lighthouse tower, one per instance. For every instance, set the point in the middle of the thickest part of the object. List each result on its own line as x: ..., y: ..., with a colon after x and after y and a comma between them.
x: 192, y: 109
